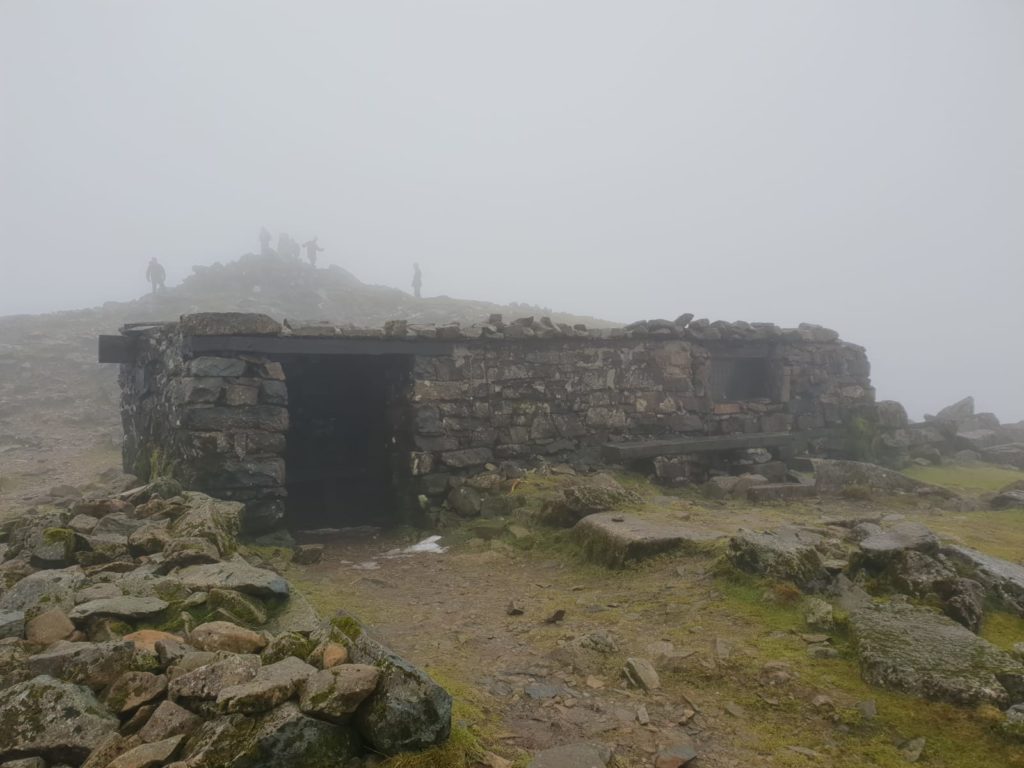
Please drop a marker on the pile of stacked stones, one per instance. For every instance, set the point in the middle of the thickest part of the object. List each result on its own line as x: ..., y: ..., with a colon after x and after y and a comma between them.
x: 683, y: 327
x: 134, y: 635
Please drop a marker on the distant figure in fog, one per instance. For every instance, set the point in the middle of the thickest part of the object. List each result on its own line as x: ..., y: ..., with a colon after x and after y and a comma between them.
x: 312, y: 248
x: 265, y: 249
x: 417, y: 280
x: 156, y: 275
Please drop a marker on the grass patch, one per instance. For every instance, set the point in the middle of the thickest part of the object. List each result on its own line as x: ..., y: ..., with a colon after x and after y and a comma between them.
x: 999, y: 533
x: 979, y: 478
x: 947, y: 728
x: 1002, y: 629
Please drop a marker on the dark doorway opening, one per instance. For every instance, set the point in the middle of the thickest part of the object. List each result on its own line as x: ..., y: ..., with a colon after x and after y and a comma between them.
x: 735, y: 379
x: 347, y: 438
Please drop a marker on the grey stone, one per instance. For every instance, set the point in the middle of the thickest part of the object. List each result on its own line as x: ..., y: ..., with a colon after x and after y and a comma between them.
x: 1008, y: 500
x: 27, y: 712
x: 12, y: 623
x: 1005, y: 580
x: 614, y: 539
x: 116, y: 524
x: 788, y: 553
x: 335, y: 693
x: 285, y: 736
x: 208, y: 680
x: 831, y: 476
x: 962, y: 409
x: 237, y: 575
x: 918, y: 651
x: 168, y: 720
x: 119, y: 607
x: 308, y: 554
x: 641, y: 673
x: 93, y: 664
x: 273, y: 685
x: 881, y: 547
x: 133, y: 689
x: 583, y: 755
x: 44, y: 590
x: 220, y: 367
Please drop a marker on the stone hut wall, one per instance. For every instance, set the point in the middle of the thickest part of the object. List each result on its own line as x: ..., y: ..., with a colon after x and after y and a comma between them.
x: 216, y: 423
x: 480, y: 395
x: 564, y: 398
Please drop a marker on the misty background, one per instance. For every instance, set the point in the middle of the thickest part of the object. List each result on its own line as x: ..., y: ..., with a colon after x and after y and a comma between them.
x: 851, y: 163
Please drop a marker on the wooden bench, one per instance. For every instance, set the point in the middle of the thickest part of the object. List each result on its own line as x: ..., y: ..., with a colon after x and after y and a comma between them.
x: 623, y: 453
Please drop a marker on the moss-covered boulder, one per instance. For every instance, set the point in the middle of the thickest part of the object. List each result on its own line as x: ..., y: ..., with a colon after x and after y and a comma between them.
x: 787, y: 553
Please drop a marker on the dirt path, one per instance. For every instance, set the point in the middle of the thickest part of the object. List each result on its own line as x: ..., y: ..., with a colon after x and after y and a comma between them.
x: 536, y: 683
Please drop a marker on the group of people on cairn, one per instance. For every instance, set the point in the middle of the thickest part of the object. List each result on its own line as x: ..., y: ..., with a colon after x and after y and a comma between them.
x: 288, y: 246
x: 156, y: 275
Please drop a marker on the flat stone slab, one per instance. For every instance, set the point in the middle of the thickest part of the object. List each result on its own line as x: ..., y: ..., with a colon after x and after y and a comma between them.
x: 236, y: 575
x: 881, y: 545
x: 120, y: 607
x: 918, y: 651
x: 614, y: 539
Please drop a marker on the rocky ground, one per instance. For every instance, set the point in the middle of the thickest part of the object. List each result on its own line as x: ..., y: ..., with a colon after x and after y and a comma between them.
x: 699, y: 650
x: 133, y: 634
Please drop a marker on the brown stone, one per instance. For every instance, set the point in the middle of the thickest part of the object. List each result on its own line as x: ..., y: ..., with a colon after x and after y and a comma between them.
x: 225, y: 636
x: 146, y: 639
x: 47, y: 628
x: 148, y: 755
x: 333, y: 655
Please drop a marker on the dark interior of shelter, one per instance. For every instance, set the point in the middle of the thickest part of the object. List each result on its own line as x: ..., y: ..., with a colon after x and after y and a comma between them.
x: 348, y: 424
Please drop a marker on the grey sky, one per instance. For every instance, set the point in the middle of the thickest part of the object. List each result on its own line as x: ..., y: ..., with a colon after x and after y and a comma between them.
x: 858, y: 164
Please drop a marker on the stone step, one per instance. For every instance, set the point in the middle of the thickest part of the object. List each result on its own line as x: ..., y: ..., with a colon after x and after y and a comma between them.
x: 614, y: 539
x: 760, y: 494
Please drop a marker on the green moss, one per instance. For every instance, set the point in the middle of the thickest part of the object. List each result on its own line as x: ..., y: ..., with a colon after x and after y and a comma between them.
x: 348, y: 626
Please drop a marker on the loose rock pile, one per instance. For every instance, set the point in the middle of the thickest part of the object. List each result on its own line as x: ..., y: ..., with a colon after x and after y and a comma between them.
x: 134, y: 635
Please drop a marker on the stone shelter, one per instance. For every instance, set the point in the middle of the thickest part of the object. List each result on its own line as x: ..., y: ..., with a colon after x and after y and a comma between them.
x: 329, y: 426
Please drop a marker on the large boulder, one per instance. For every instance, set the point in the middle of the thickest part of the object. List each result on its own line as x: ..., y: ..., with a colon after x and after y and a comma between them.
x: 225, y: 636
x: 1010, y: 453
x: 918, y: 651
x: 205, y: 682
x: 788, y: 553
x: 616, y: 539
x: 55, y: 720
x: 407, y: 711
x: 132, y: 608
x: 957, y: 412
x: 882, y: 546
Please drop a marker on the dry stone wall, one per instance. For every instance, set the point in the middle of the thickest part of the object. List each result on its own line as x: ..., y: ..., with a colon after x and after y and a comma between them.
x: 216, y: 423
x: 479, y: 395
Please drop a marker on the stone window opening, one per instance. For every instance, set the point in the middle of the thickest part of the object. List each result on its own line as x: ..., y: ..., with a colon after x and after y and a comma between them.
x: 737, y: 379
x: 348, y: 433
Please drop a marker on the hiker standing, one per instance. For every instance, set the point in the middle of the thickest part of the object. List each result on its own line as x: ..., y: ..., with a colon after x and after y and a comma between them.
x: 265, y: 249
x: 312, y: 248
x: 417, y: 280
x: 156, y: 275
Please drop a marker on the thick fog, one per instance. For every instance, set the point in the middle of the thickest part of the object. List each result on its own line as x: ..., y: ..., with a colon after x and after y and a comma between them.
x: 851, y: 163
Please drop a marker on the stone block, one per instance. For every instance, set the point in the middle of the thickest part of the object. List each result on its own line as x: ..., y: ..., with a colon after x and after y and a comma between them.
x: 270, y: 418
x: 220, y: 367
x: 770, y: 492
